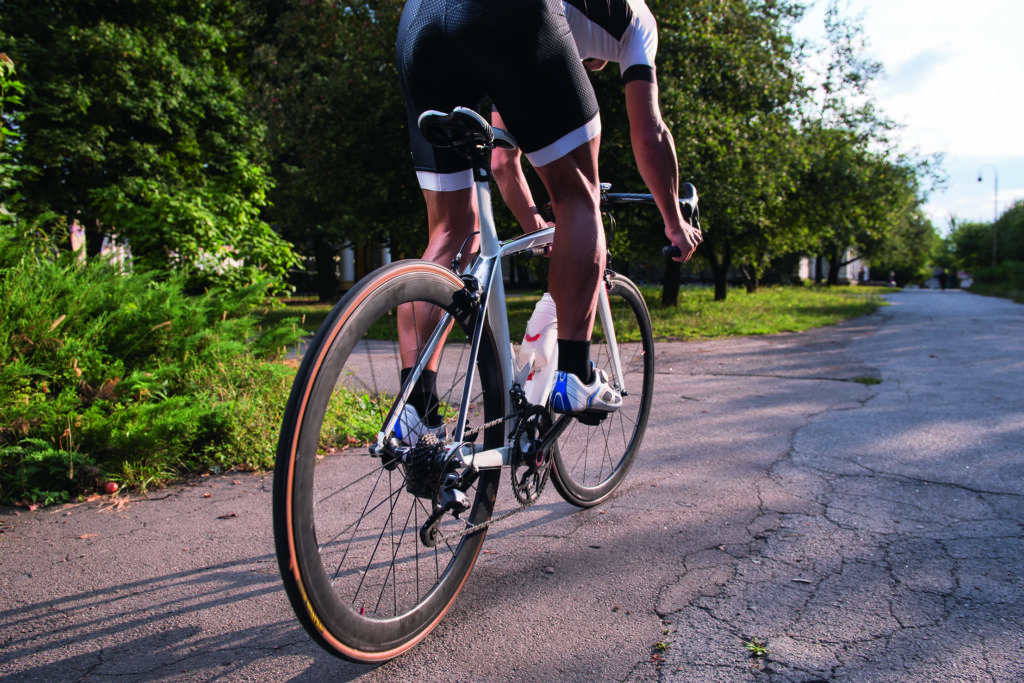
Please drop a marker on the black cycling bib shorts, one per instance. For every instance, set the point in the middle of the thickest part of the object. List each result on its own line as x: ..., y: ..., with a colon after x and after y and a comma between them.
x: 521, y: 54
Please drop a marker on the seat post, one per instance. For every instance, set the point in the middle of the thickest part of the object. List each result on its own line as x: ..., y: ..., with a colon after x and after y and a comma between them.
x: 489, y: 245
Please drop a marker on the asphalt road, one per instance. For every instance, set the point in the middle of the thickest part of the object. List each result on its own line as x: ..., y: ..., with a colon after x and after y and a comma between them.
x: 856, y: 531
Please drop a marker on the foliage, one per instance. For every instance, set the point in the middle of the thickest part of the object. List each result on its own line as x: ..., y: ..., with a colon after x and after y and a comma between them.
x: 135, y: 122
x: 1010, y: 233
x: 10, y: 95
x: 1005, y: 280
x: 124, y: 377
x: 730, y: 85
x: 911, y: 248
x: 873, y: 202
x: 858, y: 192
x: 336, y: 128
x: 756, y: 647
x: 969, y: 244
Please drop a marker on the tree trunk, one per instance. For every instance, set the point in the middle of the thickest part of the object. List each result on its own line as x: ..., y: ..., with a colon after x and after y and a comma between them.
x: 819, y: 270
x: 93, y: 235
x: 720, y: 270
x: 721, y: 274
x: 833, y: 269
x: 670, y: 284
x: 326, y: 277
x: 753, y: 280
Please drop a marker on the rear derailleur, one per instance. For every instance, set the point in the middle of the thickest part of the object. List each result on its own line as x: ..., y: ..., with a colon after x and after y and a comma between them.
x: 435, y: 471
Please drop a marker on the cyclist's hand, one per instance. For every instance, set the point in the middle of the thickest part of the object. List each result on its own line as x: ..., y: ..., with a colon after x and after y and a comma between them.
x: 686, y: 240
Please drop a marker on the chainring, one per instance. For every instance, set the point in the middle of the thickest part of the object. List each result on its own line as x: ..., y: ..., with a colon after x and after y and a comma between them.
x: 530, y: 465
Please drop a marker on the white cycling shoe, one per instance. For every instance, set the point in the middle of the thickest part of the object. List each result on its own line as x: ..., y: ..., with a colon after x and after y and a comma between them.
x: 411, y: 428
x: 571, y: 395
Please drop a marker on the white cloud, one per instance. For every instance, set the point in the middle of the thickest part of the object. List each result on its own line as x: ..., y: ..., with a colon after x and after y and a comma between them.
x: 953, y: 80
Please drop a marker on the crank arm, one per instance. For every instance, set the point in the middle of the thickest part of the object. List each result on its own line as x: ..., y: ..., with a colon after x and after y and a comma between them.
x: 556, y: 431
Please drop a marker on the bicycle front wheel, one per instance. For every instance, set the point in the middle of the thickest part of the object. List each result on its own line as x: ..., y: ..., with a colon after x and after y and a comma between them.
x: 590, y: 461
x: 346, y: 529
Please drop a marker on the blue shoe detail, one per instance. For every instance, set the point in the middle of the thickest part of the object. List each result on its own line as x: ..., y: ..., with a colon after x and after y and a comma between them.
x: 571, y: 395
x: 559, y: 395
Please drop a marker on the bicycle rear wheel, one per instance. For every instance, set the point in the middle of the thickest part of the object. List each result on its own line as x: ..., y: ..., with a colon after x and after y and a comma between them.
x: 346, y: 529
x: 589, y: 462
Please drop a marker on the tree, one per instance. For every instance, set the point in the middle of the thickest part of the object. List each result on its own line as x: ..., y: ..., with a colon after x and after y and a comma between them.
x: 910, y: 248
x: 971, y: 242
x: 859, y: 194
x: 10, y: 95
x: 337, y: 132
x: 1010, y: 233
x: 853, y: 198
x: 731, y: 88
x: 135, y: 123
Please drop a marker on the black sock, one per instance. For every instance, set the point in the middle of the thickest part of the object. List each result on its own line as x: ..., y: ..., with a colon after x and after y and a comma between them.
x: 423, y: 396
x: 574, y: 357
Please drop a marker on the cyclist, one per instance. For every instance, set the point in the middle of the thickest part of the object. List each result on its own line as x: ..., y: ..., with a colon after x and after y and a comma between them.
x: 458, y: 53
x: 622, y: 31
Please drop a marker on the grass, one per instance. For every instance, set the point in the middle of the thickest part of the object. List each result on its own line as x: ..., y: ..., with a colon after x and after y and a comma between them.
x: 1000, y: 290
x: 756, y: 647
x: 770, y: 310
x: 181, y: 387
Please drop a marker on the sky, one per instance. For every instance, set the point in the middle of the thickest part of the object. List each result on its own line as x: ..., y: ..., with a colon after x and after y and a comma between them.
x: 954, y: 78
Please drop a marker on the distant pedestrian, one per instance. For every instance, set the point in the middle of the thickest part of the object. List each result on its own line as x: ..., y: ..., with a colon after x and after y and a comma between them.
x: 892, y: 278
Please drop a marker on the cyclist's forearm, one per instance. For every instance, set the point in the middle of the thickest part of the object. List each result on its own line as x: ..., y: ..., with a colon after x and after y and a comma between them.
x: 508, y: 174
x: 654, y: 150
x: 655, y: 154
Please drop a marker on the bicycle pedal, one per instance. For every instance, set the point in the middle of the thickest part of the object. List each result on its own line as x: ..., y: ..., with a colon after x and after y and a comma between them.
x: 591, y: 418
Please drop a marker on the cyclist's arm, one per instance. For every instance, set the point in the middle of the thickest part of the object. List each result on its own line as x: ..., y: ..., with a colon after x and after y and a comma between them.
x: 508, y: 173
x: 655, y: 153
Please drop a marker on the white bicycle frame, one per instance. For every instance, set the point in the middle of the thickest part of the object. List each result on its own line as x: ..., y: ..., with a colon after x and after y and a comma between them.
x: 486, y: 270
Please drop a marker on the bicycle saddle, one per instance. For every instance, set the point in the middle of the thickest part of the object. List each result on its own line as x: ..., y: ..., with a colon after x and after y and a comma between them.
x: 463, y: 130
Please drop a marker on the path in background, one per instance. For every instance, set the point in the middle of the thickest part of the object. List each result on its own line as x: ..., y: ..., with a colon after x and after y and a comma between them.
x: 895, y: 543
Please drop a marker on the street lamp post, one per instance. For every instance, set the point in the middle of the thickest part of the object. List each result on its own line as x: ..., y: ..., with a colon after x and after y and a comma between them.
x: 995, y: 207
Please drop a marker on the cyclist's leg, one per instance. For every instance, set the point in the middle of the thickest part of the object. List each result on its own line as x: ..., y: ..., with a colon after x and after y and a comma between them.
x: 452, y: 219
x: 578, y: 252
x: 591, y: 460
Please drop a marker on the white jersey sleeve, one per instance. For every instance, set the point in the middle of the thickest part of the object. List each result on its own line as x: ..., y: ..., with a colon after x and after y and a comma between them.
x: 621, y: 31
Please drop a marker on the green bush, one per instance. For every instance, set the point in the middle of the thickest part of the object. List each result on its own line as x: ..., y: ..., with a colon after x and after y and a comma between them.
x: 114, y: 376
x: 1005, y: 280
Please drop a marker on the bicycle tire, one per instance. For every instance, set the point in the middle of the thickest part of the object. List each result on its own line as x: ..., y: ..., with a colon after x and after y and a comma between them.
x: 345, y: 528
x: 590, y: 462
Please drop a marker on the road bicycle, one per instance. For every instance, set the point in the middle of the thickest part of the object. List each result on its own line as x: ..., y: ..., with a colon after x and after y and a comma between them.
x: 376, y: 534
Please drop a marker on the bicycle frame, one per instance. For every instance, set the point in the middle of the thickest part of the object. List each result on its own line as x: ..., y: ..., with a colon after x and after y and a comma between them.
x: 486, y: 272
